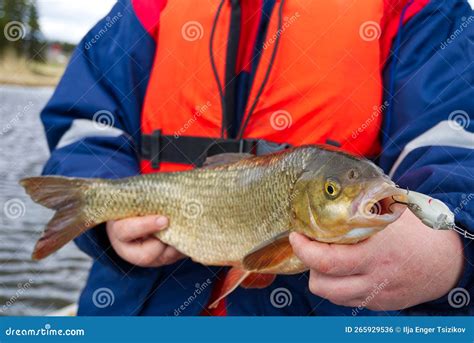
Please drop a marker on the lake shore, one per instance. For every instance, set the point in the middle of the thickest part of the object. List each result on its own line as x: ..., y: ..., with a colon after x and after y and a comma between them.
x: 30, y: 288
x: 21, y: 72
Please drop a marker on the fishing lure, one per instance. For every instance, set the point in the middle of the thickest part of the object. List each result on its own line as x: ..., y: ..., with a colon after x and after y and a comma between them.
x: 433, y: 213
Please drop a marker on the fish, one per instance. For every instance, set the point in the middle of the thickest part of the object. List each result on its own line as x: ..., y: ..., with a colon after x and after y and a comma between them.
x: 236, y: 211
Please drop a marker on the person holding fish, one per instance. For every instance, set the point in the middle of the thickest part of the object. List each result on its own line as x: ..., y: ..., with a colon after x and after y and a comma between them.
x: 230, y: 158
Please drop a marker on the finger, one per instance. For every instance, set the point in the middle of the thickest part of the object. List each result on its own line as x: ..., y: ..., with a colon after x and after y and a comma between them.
x: 170, y: 255
x: 130, y: 229
x: 331, y: 259
x: 340, y: 290
x: 144, y: 253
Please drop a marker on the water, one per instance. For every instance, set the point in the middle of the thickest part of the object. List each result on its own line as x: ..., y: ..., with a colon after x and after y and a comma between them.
x: 27, y: 287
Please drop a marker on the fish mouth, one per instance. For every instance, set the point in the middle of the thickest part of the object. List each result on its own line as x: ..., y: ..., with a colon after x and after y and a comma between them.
x: 380, y: 206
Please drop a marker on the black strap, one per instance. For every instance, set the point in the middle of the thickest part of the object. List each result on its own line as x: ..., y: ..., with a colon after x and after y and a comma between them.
x: 194, y: 150
x: 267, y: 73
x: 230, y: 123
x: 214, y: 67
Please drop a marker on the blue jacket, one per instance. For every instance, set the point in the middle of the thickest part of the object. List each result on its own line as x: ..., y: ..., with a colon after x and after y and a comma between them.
x: 429, y: 84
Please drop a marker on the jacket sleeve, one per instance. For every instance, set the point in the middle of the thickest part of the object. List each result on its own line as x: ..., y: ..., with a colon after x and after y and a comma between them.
x: 427, y: 134
x: 92, y: 121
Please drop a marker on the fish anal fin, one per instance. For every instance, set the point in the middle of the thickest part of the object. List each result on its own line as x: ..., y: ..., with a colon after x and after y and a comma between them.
x: 270, y: 254
x: 232, y: 280
x: 257, y: 280
x: 236, y: 277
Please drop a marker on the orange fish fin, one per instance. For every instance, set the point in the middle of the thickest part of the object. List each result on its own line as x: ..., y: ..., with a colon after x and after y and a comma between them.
x: 269, y: 254
x: 256, y: 280
x: 232, y: 280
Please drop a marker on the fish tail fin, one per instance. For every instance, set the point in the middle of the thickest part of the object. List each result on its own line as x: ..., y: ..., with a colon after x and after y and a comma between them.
x: 66, y: 196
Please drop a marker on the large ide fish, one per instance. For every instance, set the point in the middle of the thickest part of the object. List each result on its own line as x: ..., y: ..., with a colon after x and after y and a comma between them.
x: 236, y: 214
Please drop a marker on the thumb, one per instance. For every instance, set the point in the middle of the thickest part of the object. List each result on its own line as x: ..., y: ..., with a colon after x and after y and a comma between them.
x: 134, y: 228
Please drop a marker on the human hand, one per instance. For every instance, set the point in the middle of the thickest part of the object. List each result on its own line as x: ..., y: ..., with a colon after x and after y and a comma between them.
x: 402, y: 266
x: 133, y: 240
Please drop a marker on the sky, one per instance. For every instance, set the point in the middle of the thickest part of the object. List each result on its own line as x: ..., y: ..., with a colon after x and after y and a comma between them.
x: 69, y: 20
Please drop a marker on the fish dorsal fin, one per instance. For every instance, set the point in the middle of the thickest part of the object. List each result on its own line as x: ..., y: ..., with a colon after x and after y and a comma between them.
x: 269, y: 254
x: 225, y: 158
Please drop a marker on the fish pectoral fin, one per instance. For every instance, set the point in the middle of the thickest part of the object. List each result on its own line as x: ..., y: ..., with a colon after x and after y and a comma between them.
x: 232, y: 280
x: 225, y: 158
x: 269, y: 254
x: 257, y: 280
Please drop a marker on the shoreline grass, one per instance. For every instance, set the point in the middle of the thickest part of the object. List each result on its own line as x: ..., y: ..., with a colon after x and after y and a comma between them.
x: 22, y: 72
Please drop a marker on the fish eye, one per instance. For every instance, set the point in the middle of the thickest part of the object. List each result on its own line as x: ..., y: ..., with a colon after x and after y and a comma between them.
x: 332, y: 188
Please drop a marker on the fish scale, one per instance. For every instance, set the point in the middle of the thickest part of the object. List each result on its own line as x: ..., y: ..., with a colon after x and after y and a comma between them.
x: 239, y: 206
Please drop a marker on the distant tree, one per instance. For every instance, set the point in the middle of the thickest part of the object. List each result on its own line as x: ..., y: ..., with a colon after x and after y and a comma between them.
x: 19, y: 28
x: 12, y: 24
x: 36, y: 44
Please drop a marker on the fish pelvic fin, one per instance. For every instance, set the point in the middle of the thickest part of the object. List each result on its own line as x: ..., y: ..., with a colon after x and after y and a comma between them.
x: 256, y: 280
x: 66, y: 197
